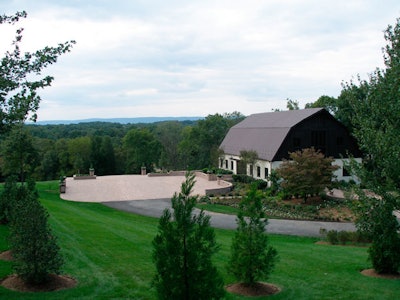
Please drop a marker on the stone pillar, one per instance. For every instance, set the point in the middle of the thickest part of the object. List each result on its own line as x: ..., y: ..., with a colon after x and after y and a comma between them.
x: 143, y: 170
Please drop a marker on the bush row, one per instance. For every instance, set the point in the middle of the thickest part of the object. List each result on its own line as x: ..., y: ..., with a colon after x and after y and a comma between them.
x: 335, y: 237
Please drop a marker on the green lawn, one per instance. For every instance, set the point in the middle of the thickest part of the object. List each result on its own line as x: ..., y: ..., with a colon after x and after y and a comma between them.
x: 109, y: 253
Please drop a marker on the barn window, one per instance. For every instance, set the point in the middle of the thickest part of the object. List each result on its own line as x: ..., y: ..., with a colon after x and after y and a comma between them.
x: 258, y: 171
x: 231, y: 165
x: 266, y: 172
x: 345, y: 172
x: 226, y: 164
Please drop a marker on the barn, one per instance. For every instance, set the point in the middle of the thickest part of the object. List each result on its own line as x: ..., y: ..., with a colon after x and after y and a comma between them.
x: 274, y: 135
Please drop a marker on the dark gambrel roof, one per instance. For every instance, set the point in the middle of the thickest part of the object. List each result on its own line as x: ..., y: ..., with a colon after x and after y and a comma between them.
x: 264, y: 132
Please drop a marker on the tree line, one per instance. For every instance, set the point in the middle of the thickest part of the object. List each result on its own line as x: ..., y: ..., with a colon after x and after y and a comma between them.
x: 50, y: 151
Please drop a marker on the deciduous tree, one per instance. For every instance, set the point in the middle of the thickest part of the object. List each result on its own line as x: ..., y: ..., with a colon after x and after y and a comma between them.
x: 376, y: 109
x: 142, y: 149
x: 20, y: 76
x: 19, y: 154
x: 308, y: 172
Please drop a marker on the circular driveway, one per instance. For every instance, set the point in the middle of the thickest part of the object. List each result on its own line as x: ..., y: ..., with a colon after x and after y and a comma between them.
x: 155, y: 208
x: 149, y: 196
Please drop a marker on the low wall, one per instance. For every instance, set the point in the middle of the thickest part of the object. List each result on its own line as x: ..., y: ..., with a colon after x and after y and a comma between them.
x: 225, y: 188
x: 172, y: 173
x: 81, y: 177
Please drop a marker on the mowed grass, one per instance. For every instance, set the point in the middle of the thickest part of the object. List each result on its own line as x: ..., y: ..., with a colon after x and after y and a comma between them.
x: 109, y: 253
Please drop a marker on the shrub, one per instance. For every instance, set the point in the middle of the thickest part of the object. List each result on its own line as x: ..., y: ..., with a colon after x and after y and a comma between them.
x: 343, y: 237
x: 261, y: 184
x: 242, y: 178
x: 332, y: 237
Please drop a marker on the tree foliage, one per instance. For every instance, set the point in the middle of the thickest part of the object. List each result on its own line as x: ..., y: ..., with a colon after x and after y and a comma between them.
x: 247, y: 157
x: 19, y: 156
x: 20, y: 76
x: 251, y: 257
x: 376, y: 219
x: 376, y: 109
x: 308, y: 172
x: 142, y: 149
x: 35, y: 250
x: 200, y: 143
x: 183, y: 250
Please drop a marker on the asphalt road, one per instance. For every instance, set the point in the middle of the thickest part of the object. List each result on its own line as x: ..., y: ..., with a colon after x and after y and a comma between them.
x: 155, y: 208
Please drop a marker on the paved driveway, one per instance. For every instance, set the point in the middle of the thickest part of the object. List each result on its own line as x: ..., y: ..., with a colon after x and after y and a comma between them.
x: 149, y: 196
x: 155, y: 208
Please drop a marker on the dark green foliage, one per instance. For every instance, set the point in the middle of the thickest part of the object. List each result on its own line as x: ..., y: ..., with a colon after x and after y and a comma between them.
x: 183, y: 249
x: 142, y: 150
x: 274, y: 180
x: 7, y: 197
x: 261, y: 184
x: 65, y: 149
x: 342, y: 237
x: 242, y: 178
x: 216, y: 171
x: 376, y: 109
x: 199, y: 145
x: 19, y: 154
x: 35, y: 250
x: 376, y: 219
x: 102, y: 157
x: 251, y: 257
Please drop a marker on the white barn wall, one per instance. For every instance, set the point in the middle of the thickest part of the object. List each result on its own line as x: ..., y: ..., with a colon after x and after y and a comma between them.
x: 232, y: 160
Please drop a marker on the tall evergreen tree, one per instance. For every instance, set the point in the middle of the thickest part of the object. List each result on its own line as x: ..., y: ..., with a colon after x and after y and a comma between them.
x: 251, y: 258
x: 35, y: 250
x: 183, y: 250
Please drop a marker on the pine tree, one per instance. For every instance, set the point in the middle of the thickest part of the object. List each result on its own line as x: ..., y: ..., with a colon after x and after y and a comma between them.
x: 251, y: 257
x: 183, y: 249
x: 35, y: 250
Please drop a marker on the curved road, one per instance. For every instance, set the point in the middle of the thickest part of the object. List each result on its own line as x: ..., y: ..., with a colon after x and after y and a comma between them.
x: 155, y: 208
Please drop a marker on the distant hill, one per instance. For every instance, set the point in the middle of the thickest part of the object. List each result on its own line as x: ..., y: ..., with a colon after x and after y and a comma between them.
x: 119, y: 120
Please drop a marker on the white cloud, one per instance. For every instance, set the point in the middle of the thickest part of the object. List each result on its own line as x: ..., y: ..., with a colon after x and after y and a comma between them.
x: 201, y: 57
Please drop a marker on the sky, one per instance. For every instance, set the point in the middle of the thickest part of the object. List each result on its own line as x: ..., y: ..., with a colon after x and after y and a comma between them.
x: 142, y: 58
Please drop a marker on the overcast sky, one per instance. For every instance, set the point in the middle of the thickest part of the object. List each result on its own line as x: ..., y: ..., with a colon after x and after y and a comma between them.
x: 138, y: 58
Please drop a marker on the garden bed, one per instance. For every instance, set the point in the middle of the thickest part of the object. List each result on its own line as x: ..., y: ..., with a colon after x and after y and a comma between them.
x: 316, y: 208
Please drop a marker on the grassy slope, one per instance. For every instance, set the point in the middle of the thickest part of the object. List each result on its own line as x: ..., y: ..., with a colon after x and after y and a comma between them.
x: 109, y: 252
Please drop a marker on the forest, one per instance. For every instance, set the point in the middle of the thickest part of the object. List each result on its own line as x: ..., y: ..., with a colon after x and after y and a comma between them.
x: 51, y: 151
